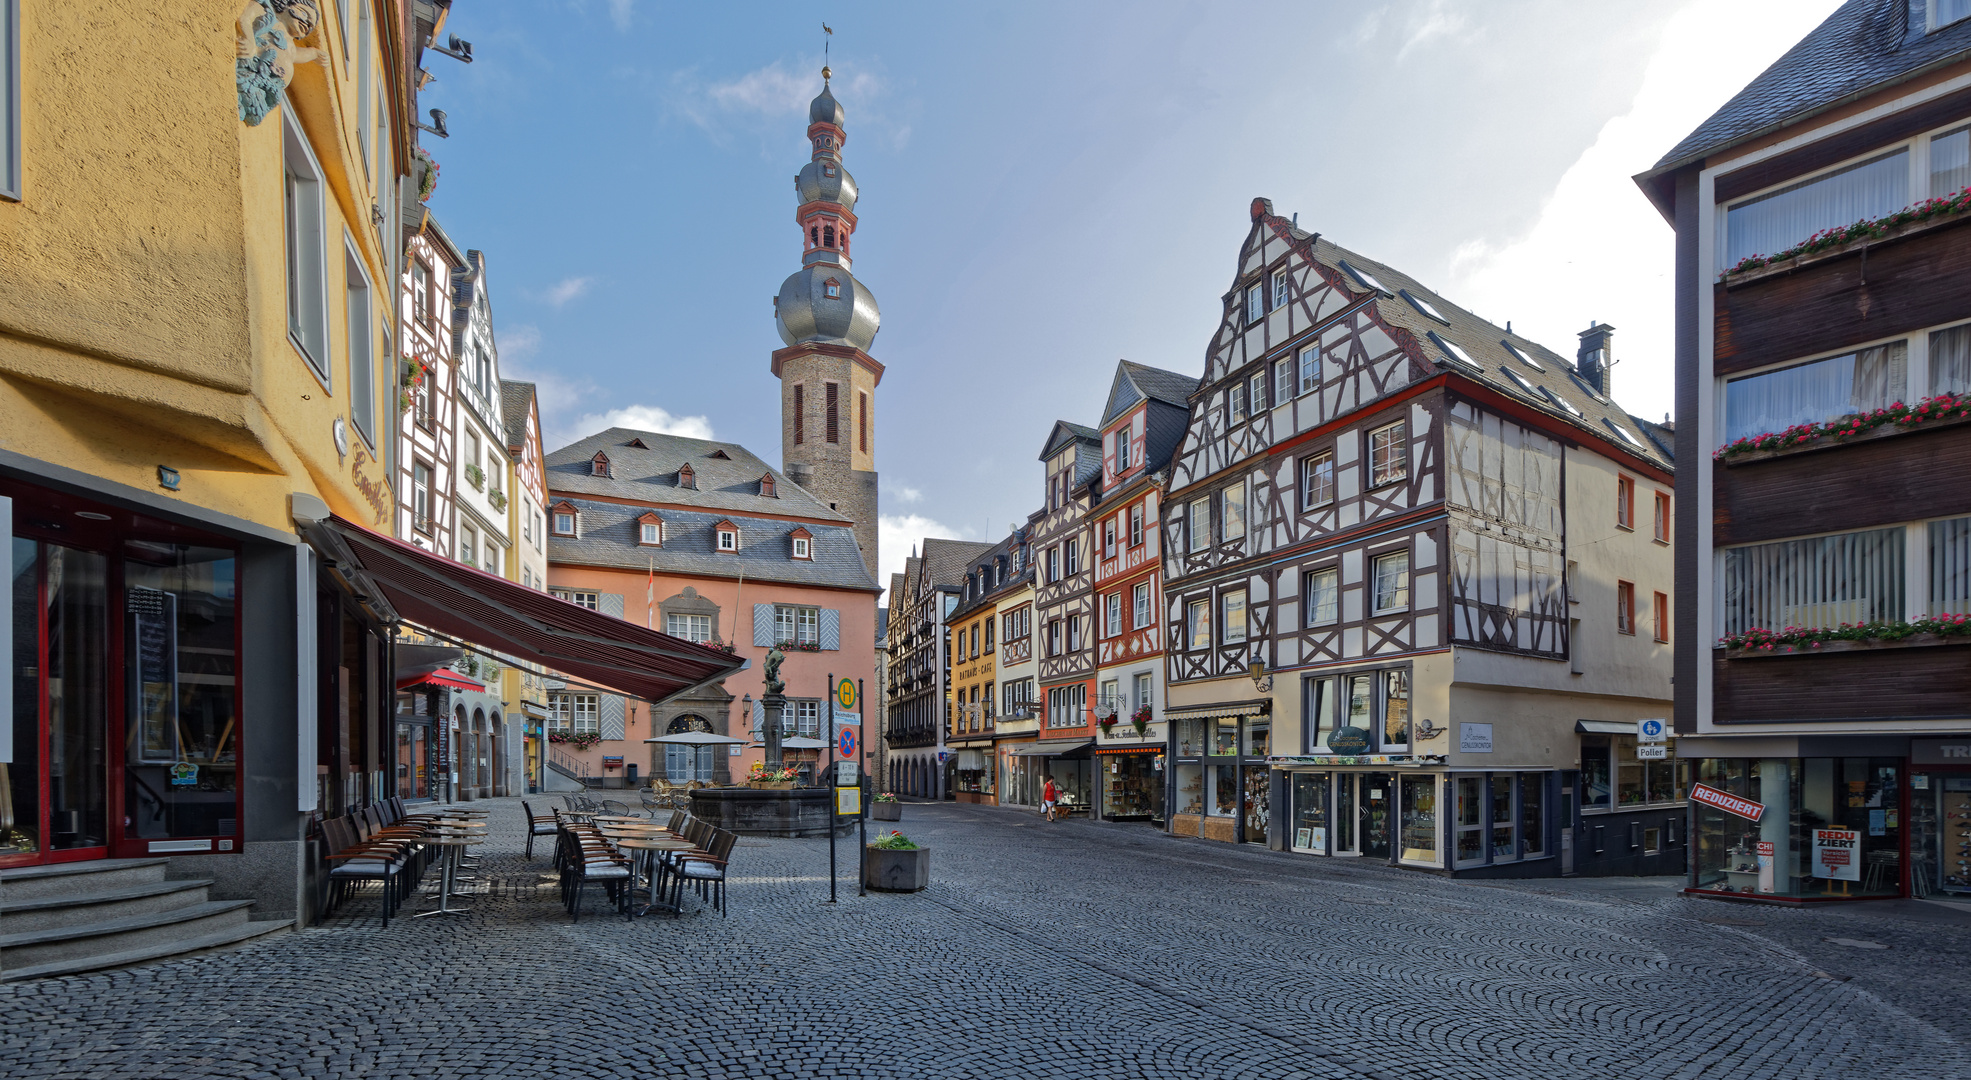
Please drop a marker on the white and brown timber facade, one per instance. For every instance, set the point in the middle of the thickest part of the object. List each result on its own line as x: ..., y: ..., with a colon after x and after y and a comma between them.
x: 1064, y: 606
x: 1858, y: 746
x: 1394, y: 578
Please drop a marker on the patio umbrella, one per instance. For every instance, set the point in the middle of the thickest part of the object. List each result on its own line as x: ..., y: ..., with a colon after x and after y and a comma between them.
x: 696, y: 738
x: 802, y: 742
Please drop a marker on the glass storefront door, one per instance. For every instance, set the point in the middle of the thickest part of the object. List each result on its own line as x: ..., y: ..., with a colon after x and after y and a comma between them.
x: 1940, y: 833
x: 1377, y: 799
x: 1346, y: 833
x: 181, y: 745
x: 1310, y: 812
x: 1258, y: 803
x: 54, y: 794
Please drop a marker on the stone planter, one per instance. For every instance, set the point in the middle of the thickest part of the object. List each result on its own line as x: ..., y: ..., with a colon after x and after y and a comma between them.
x: 896, y: 871
x: 886, y: 811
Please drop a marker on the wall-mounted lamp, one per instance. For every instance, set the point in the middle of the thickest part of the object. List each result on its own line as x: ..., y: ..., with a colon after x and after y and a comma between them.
x: 457, y: 50
x: 437, y: 125
x: 1256, y: 669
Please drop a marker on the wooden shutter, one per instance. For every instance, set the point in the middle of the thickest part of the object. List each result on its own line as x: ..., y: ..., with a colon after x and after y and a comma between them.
x: 833, y: 410
x: 609, y: 712
x: 763, y: 625
x: 759, y: 721
x: 611, y: 604
x: 831, y: 628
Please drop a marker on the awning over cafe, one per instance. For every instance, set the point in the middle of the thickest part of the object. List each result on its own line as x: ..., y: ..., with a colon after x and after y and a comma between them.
x: 1055, y: 748
x: 441, y: 678
x: 1255, y: 707
x: 506, y: 617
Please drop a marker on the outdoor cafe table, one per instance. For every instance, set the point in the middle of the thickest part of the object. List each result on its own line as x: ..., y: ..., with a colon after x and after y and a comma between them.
x: 649, y: 846
x: 455, y: 842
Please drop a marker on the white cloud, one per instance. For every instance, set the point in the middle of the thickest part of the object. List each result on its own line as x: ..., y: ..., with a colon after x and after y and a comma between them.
x: 642, y: 418
x: 1434, y: 22
x: 774, y: 92
x: 898, y: 534
x: 619, y: 12
x: 519, y: 342
x: 567, y: 289
x: 1598, y: 250
x: 903, y: 493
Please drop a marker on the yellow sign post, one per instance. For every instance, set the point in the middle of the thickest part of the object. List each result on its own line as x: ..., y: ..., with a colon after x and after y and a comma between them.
x: 848, y: 801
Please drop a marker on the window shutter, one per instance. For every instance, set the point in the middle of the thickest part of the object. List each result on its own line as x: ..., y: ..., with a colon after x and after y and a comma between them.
x: 763, y: 625
x: 609, y: 714
x: 677, y: 763
x: 612, y: 604
x: 831, y: 628
x: 759, y: 721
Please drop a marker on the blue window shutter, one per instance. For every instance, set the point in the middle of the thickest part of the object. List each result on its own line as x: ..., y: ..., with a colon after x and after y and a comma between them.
x: 612, y: 604
x: 677, y: 763
x: 759, y: 721
x: 609, y: 715
x: 763, y: 625
x: 831, y: 628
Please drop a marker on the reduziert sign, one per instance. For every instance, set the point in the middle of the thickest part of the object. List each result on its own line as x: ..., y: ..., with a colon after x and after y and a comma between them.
x: 1729, y: 803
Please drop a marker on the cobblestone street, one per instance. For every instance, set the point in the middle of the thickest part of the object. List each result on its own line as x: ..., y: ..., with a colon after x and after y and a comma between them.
x: 1068, y: 950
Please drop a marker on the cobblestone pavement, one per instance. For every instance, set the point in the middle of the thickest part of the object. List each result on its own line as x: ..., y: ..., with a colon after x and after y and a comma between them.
x: 1069, y: 950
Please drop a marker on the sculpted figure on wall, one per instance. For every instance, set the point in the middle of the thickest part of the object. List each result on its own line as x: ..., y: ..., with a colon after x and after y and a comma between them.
x: 270, y: 32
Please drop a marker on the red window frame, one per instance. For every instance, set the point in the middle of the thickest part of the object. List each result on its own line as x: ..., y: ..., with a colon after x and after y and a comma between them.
x: 1663, y: 516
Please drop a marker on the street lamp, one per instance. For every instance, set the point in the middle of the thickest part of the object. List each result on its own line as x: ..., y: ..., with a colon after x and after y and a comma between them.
x: 1256, y: 669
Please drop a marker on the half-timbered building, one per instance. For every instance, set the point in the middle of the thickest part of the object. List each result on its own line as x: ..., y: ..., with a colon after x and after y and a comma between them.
x: 1144, y: 418
x: 526, y: 692
x: 1401, y: 588
x: 427, y: 429
x: 1064, y: 607
x: 1823, y: 368
x: 920, y: 667
x: 1018, y: 725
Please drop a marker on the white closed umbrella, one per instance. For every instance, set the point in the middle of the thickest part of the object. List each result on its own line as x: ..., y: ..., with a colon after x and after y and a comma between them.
x: 695, y: 738
x: 802, y: 742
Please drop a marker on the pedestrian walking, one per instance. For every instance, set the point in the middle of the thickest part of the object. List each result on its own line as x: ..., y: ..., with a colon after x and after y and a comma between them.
x: 1050, y: 794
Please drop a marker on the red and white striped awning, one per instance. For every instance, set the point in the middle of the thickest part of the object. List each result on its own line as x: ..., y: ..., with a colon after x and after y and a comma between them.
x: 440, y: 678
x: 507, y: 617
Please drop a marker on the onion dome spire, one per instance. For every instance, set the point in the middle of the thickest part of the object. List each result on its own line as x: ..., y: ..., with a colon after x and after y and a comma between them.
x: 823, y: 302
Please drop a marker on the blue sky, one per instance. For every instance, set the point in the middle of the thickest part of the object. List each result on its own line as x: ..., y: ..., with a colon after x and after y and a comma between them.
x: 1047, y: 188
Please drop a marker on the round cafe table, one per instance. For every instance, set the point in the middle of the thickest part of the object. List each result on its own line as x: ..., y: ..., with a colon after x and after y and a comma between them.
x: 454, y: 843
x: 649, y: 847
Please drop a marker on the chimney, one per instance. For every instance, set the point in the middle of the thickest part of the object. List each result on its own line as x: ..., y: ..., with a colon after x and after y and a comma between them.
x: 1597, y: 356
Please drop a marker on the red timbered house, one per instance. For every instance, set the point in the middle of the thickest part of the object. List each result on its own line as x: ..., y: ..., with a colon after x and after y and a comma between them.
x: 428, y: 427
x: 1395, y: 573
x: 1146, y: 414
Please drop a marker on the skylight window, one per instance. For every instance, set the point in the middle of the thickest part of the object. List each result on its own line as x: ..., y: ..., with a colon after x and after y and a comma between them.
x: 1363, y: 276
x: 1523, y: 357
x: 1455, y: 352
x: 1560, y: 401
x: 1519, y: 379
x: 1587, y: 388
x: 1424, y: 306
x: 1622, y: 431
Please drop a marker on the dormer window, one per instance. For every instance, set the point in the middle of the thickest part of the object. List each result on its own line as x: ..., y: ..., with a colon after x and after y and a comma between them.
x: 827, y: 169
x: 650, y: 531
x: 766, y: 486
x: 1945, y: 12
x: 831, y: 288
x: 599, y: 464
x: 638, y: 443
x: 564, y: 519
x: 687, y: 476
x: 1122, y: 450
x: 727, y: 535
x: 803, y: 543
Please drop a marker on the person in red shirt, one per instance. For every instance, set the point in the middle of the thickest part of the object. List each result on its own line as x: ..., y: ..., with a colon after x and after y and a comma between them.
x: 1050, y: 794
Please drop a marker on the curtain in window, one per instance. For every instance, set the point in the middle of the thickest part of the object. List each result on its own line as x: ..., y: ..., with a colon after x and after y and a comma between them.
x: 1950, y: 359
x: 1814, y: 392
x: 1950, y: 155
x: 1950, y: 566
x: 1772, y: 223
x: 1823, y: 582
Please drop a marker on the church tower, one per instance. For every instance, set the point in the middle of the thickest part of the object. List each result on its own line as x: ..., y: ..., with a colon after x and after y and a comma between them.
x: 828, y: 321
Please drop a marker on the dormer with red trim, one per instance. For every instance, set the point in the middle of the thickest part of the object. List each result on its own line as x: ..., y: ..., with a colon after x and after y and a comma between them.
x: 687, y: 477
x: 599, y: 464
x: 725, y: 538
x: 564, y: 519
x: 650, y: 530
x: 766, y: 487
x: 802, y: 543
x: 638, y: 443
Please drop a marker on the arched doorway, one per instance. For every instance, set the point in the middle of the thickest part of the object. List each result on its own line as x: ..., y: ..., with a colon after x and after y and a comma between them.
x: 496, y: 730
x: 459, y: 759
x: 684, y: 762
x: 476, y: 779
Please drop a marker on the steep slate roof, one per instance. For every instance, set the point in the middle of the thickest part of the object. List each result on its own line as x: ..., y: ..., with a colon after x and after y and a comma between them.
x: 1065, y: 431
x: 609, y: 538
x: 1864, y: 45
x: 730, y: 483
x: 883, y: 614
x: 1484, y: 343
x: 1002, y: 549
x: 1157, y: 384
x: 514, y: 400
x: 945, y: 560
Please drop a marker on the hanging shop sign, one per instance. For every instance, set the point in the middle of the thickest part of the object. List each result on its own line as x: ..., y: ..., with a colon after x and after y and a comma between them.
x: 1729, y: 803
x: 1837, y: 854
x: 1348, y: 740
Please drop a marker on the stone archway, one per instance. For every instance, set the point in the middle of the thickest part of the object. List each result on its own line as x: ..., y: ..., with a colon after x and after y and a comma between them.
x: 496, y: 732
x: 476, y: 779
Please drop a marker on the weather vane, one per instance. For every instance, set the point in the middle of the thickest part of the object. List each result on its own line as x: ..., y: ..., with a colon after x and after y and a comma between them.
x: 830, y: 36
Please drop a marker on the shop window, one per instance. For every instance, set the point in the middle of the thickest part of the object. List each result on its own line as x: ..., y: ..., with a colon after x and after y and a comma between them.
x: 1614, y: 777
x: 1223, y: 778
x: 1310, y: 813
x: 1190, y: 789
x: 1190, y: 737
x: 1468, y: 847
x: 1225, y: 736
x: 1395, y: 710
x: 1419, y: 818
x: 1826, y: 828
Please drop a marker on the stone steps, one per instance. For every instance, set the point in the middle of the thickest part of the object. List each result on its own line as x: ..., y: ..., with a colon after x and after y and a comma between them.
x: 86, y: 916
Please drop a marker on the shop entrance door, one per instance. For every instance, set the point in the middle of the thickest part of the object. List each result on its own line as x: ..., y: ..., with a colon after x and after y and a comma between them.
x: 54, y: 794
x: 1345, y: 823
x: 1378, y: 796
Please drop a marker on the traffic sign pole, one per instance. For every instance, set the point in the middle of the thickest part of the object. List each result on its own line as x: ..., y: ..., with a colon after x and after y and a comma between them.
x: 862, y: 819
x: 832, y: 804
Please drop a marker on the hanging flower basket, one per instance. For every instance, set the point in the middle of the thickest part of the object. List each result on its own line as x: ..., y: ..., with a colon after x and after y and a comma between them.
x: 427, y: 177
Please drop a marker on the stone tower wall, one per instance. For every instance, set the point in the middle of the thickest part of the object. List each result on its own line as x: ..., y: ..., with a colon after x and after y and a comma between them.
x: 843, y: 473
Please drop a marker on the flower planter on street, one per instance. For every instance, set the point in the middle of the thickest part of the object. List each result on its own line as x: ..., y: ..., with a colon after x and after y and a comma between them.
x: 892, y: 870
x: 886, y: 811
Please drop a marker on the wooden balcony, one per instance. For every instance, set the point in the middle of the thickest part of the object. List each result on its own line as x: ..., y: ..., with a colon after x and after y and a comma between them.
x: 1874, y: 683
x: 1863, y: 484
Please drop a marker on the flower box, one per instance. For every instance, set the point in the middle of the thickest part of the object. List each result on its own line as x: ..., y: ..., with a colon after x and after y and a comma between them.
x: 1827, y: 244
x: 1945, y: 410
x: 1821, y: 648
x: 886, y: 811
x: 891, y: 870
